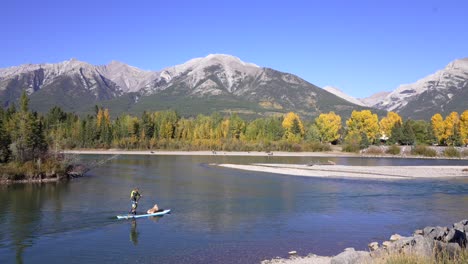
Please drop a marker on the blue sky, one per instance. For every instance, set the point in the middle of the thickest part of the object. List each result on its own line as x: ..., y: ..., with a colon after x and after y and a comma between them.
x: 361, y: 47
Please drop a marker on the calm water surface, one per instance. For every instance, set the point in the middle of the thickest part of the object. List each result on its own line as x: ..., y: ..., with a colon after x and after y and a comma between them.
x: 219, y: 215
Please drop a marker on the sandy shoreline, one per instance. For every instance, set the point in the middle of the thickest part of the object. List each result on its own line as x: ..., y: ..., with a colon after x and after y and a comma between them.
x: 359, y: 172
x: 212, y: 153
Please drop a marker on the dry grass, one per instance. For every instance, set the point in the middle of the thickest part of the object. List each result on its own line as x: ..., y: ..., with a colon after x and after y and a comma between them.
x: 373, y: 150
x: 452, y: 152
x: 441, y: 258
x: 424, y: 151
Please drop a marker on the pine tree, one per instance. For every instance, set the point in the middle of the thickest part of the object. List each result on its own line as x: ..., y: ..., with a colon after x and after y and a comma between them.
x: 396, y: 134
x: 5, y: 141
x: 408, y: 137
x: 364, y: 142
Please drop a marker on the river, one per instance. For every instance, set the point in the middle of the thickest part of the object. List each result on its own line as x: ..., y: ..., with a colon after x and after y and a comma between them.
x: 219, y: 215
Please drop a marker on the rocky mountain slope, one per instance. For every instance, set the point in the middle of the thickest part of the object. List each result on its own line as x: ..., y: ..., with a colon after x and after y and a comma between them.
x: 202, y: 85
x: 442, y: 92
x: 374, y: 99
x: 341, y: 94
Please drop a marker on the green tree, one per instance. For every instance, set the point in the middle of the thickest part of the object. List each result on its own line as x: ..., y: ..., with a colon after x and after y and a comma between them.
x: 236, y: 126
x: 274, y: 129
x: 407, y: 137
x: 5, y: 141
x: 312, y: 133
x: 36, y: 139
x: 396, y: 134
x: 364, y: 142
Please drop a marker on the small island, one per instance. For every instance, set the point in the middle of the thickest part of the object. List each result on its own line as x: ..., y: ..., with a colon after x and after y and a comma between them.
x: 25, y: 153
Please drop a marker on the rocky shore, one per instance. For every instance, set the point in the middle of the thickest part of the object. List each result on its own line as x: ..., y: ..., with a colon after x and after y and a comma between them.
x: 425, y: 243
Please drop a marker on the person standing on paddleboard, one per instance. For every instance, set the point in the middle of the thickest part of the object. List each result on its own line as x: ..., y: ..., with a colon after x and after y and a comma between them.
x: 134, y: 197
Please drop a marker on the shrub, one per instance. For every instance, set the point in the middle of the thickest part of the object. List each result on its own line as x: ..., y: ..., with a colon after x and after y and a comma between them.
x: 350, y: 147
x: 424, y: 151
x: 317, y: 147
x: 452, y: 152
x: 394, y: 150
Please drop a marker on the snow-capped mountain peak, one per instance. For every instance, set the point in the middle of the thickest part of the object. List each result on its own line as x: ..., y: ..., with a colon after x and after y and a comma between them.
x: 453, y: 77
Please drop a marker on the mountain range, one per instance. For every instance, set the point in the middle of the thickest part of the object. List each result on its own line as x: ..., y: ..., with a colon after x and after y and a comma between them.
x: 220, y: 83
x: 203, y: 85
x: 442, y: 92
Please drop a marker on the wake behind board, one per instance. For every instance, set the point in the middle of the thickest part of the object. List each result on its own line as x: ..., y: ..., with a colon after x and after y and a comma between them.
x: 130, y: 216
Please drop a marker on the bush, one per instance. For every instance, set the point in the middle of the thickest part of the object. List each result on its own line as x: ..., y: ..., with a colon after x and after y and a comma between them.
x: 424, y: 151
x: 394, y: 150
x: 452, y: 152
x: 351, y: 147
x: 316, y: 147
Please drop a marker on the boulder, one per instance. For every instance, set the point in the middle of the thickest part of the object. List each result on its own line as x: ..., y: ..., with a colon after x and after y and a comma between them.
x: 350, y: 256
x: 436, y: 233
x: 418, y: 232
x: 427, y: 230
x: 456, y: 236
x: 422, y: 246
x: 373, y: 246
x: 386, y: 244
x: 450, y: 248
x: 395, y: 237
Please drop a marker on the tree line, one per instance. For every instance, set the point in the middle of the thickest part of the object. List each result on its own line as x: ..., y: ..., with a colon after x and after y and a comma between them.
x: 26, y: 135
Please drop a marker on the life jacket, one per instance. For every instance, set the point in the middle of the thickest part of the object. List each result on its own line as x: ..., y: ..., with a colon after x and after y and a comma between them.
x: 134, y: 194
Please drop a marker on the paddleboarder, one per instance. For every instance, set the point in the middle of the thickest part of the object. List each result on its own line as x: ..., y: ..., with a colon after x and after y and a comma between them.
x: 134, y: 197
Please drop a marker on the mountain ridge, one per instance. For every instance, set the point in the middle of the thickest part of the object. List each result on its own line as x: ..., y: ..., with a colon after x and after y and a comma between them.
x: 76, y: 85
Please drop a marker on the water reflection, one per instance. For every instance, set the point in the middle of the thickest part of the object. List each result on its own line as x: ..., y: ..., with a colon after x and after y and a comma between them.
x: 21, y: 213
x: 133, y: 232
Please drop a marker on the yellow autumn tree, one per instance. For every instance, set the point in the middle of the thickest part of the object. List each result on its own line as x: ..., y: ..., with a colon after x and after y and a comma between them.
x: 438, y: 126
x: 464, y: 127
x: 328, y: 126
x: 293, y: 124
x: 451, y: 125
x: 387, y: 123
x: 364, y: 122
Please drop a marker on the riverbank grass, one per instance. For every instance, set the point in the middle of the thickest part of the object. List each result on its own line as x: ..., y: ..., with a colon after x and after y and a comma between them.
x: 442, y: 257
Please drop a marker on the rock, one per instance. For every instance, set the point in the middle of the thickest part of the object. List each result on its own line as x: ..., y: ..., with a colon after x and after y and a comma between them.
x: 373, y: 246
x: 450, y: 248
x: 436, y: 233
x: 350, y: 256
x: 403, y: 244
x: 418, y: 232
x: 386, y: 244
x: 427, y: 230
x: 462, y: 225
x: 395, y: 237
x: 422, y: 246
x: 456, y: 236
